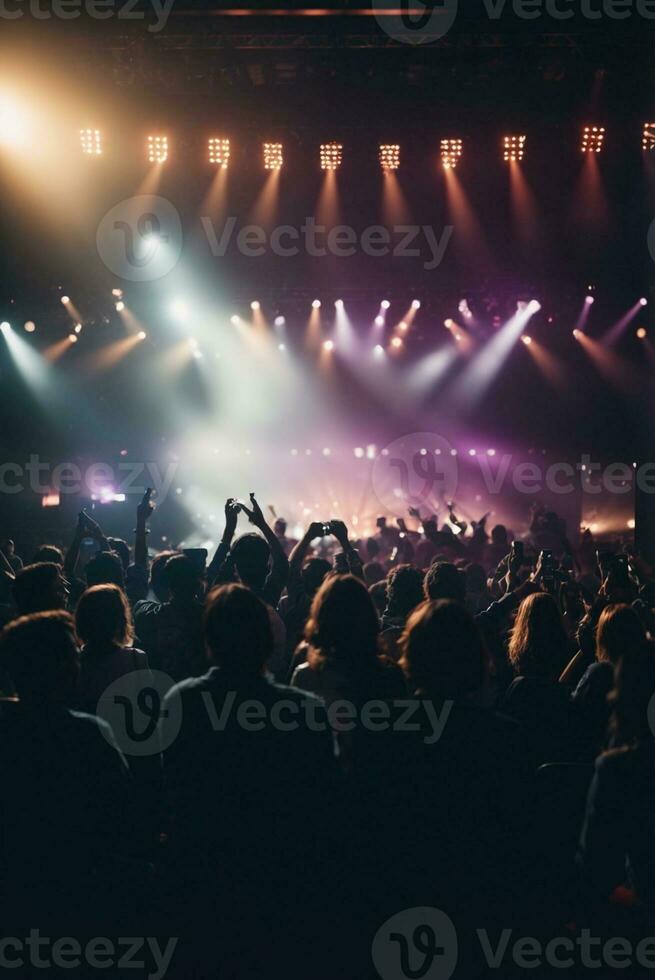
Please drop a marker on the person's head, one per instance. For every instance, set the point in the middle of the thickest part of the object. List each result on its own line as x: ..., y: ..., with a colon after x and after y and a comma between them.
x: 238, y: 632
x: 475, y: 579
x: 8, y: 548
x: 48, y: 553
x: 404, y: 590
x: 103, y: 617
x: 619, y: 631
x: 121, y: 548
x: 499, y: 535
x: 538, y: 646
x: 39, y: 654
x: 343, y: 625
x: 374, y: 572
x: 443, y: 653
x: 251, y: 554
x: 313, y: 574
x: 378, y: 593
x: 158, y: 581
x: 105, y: 568
x: 634, y: 689
x: 444, y: 581
x: 280, y: 527
x: 40, y: 587
x: 182, y: 578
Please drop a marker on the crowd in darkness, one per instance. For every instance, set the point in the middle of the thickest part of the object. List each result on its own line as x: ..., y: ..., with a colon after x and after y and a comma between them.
x: 436, y: 716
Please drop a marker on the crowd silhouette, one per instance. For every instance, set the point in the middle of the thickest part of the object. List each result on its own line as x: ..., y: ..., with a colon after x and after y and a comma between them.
x: 436, y: 716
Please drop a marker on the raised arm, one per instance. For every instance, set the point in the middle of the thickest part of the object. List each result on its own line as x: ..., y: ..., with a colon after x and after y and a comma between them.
x: 217, y: 563
x: 279, y: 573
x: 340, y: 531
x: 73, y: 553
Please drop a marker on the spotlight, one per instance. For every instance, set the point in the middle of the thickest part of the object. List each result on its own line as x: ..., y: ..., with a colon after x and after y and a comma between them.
x: 91, y: 142
x: 29, y: 326
x: 118, y: 293
x: 157, y: 149
x: 279, y: 321
x: 577, y: 333
x: 641, y: 333
x: 416, y: 304
x: 73, y: 338
x: 142, y: 335
x: 78, y: 328
x: 281, y: 347
x: 379, y: 321
x: 331, y: 154
x: 389, y: 156
x: 592, y: 139
x: 219, y: 152
x: 472, y: 452
x: 491, y: 452
x: 120, y: 306
x: 643, y: 301
x: 526, y: 340
x: 273, y: 158
x: 396, y: 342
x: 339, y: 304
x: 378, y: 349
x: 534, y: 306
x: 451, y: 151
x: 513, y: 147
x: 648, y: 137
x: 65, y: 299
x: 589, y: 300
x: 316, y: 304
x: 236, y: 320
x: 255, y: 305
x: 385, y: 304
x: 403, y: 326
x: 449, y: 324
x: 5, y: 327
x: 328, y: 345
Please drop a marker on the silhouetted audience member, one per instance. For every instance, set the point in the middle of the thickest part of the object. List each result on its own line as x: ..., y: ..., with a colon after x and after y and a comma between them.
x: 65, y: 809
x: 39, y: 588
x: 171, y: 632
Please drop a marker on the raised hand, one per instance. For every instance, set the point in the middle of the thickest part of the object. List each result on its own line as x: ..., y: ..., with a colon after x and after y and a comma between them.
x: 340, y: 532
x: 146, y: 507
x: 255, y: 516
x: 231, y: 517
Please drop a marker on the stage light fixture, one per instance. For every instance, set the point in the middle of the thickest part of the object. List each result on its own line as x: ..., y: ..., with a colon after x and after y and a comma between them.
x: 316, y: 304
x: 378, y: 349
x: 592, y: 139
x: 5, y: 327
x: 385, y: 304
x: 273, y: 158
x: 339, y: 304
x: 451, y: 151
x: 379, y: 321
x: 328, y: 345
x: 641, y: 333
x: 255, y: 305
x: 643, y: 301
x: 73, y: 338
x: 577, y: 333
x: 513, y: 147
x: 396, y: 342
x: 279, y: 321
x: 65, y: 299
x: 219, y: 152
x: 78, y: 328
x: 281, y: 347
x: 648, y: 137
x: 526, y: 340
x: 120, y: 306
x: 236, y: 320
x: 389, y: 156
x: 416, y: 304
x: 142, y: 335
x: 403, y: 326
x: 331, y: 154
x: 118, y: 293
x: 29, y: 326
x: 91, y: 141
x: 157, y: 149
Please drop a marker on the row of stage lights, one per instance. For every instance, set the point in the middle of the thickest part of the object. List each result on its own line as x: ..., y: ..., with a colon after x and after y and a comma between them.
x: 331, y: 154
